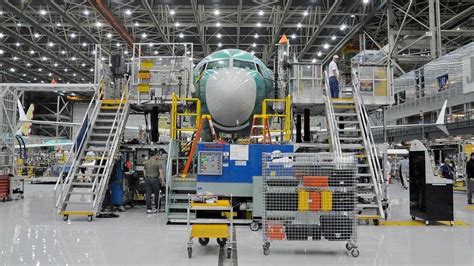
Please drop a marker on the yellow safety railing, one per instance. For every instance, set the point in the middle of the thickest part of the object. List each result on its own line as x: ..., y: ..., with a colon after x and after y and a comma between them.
x: 175, y: 100
x: 286, y: 116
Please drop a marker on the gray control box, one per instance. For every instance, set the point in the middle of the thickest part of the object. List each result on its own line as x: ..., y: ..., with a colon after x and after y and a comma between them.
x: 210, y: 163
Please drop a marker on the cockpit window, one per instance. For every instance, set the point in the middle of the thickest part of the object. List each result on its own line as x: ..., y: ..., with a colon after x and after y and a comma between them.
x: 218, y: 64
x: 244, y: 64
x: 259, y: 69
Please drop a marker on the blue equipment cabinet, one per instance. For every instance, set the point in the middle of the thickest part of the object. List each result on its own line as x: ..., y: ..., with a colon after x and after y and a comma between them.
x: 229, y: 169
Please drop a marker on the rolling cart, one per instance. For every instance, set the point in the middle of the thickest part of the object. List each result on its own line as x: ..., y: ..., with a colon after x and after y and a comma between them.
x: 204, y: 229
x: 309, y: 197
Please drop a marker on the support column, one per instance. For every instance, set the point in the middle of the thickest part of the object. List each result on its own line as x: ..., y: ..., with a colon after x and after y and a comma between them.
x: 298, y: 128
x: 307, y: 123
x: 435, y: 30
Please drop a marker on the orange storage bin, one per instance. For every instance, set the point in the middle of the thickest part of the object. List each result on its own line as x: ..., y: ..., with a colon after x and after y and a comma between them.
x: 144, y: 74
x: 314, y: 201
x: 316, y: 181
x: 275, y: 231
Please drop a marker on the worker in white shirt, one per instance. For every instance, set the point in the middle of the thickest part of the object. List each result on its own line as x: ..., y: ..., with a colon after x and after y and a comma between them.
x: 334, y: 77
x: 404, y: 171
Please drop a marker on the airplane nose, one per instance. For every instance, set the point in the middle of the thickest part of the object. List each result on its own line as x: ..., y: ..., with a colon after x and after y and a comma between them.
x: 230, y: 96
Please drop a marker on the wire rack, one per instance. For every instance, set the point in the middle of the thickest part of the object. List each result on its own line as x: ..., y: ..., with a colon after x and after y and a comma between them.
x: 309, y: 196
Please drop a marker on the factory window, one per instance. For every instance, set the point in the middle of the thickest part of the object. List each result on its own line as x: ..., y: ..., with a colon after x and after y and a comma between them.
x: 244, y: 64
x: 218, y: 64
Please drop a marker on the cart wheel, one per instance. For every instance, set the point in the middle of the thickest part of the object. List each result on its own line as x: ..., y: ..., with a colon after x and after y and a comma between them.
x: 229, y: 253
x: 355, y: 253
x: 89, y: 218
x: 266, y: 245
x: 254, y: 226
x: 376, y: 222
x: 413, y: 218
x: 190, y: 252
x: 349, y: 246
x: 65, y: 217
x: 367, y: 222
x: 266, y: 251
x: 427, y: 223
x: 203, y: 241
x: 222, y: 241
x: 451, y: 223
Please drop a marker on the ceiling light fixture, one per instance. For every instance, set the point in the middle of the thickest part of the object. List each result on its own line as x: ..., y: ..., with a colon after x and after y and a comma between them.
x: 172, y: 12
x: 218, y: 24
x: 44, y: 58
x: 343, y: 27
x: 58, y: 24
x: 326, y: 46
x: 177, y: 24
x: 313, y: 60
x: 256, y: 36
x: 219, y: 44
x: 305, y: 13
x: 2, y: 52
x: 181, y: 35
x: 42, y: 12
x: 50, y: 44
x: 216, y: 12
x: 143, y: 35
x: 254, y: 45
x: 128, y: 12
x: 86, y: 12
x: 299, y: 25
x: 17, y: 44
x: 293, y: 36
x: 320, y: 53
x: 98, y: 24
x: 37, y: 35
x: 117, y: 44
x: 84, y: 44
x: 136, y: 24
x: 259, y: 24
x: 15, y: 58
x: 219, y: 35
x: 83, y: 64
x: 333, y: 37
x: 260, y: 13
x: 73, y: 35
x: 2, y: 35
x: 109, y: 35
x: 55, y: 64
x: 32, y: 52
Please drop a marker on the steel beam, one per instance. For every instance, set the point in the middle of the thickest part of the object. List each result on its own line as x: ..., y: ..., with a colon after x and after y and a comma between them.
x: 200, y: 27
x: 19, y: 13
x: 276, y: 36
x: 155, y: 21
x: 320, y: 28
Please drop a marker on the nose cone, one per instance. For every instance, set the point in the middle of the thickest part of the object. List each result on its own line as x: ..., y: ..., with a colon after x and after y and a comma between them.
x: 230, y: 96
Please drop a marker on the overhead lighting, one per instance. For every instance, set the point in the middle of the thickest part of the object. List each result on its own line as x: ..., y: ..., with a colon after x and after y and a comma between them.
x: 40, y: 69
x: 313, y: 60
x: 63, y: 52
x: 50, y: 74
x: 256, y: 36
x: 293, y: 36
x: 218, y: 24
x: 65, y: 70
x: 219, y: 35
x: 83, y: 64
x: 73, y: 58
x: 109, y: 35
x: 42, y: 12
x: 252, y: 52
x: 2, y: 35
x: 143, y: 35
x: 320, y: 53
x: 260, y: 13
x: 326, y: 46
x: 150, y: 44
x: 188, y: 52
x: 458, y: 28
x: 365, y: 1
x: 299, y: 25
x: 1, y: 51
x: 343, y: 27
x: 181, y: 35
x: 18, y: 24
x: 1, y: 12
x: 172, y: 12
x: 117, y: 44
x: 28, y: 64
x: 50, y: 44
x: 84, y: 44
x: 136, y: 24
x: 254, y: 45
x: 73, y: 35
x: 155, y: 52
x: 32, y: 52
x: 86, y: 12
x: 353, y: 16
x: 12, y: 69
x: 305, y: 13
x: 98, y: 24
x: 42, y: 81
x: 55, y: 64
x: 216, y: 12
x: 34, y: 79
x: 128, y: 12
x: 333, y: 37
x: 24, y: 75
x: 219, y: 44
x: 58, y: 24
x: 15, y: 58
x: 37, y: 35
x: 74, y: 74
x: 125, y: 52
x: 177, y: 24
x: 17, y: 44
x: 44, y: 58
x: 259, y: 24
x: 91, y: 70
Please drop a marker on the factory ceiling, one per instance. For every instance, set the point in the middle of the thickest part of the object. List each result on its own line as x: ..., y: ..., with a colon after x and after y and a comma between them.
x: 45, y: 39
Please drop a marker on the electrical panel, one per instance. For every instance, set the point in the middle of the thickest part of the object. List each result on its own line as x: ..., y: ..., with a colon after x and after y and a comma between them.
x: 210, y: 163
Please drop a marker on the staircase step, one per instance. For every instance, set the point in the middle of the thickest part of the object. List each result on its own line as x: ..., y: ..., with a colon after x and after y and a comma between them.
x: 97, y: 142
x: 349, y: 130
x: 81, y: 193
x: 181, y: 206
x: 179, y: 196
x: 345, y: 114
x: 99, y: 135
x: 343, y: 106
x: 350, y: 139
x: 104, y: 128
x: 187, y: 188
x: 67, y: 202
x: 108, y: 114
x: 363, y: 174
x: 365, y: 185
x: 360, y: 206
x: 352, y: 146
x: 348, y: 122
x: 110, y: 121
x: 81, y: 184
x: 180, y: 216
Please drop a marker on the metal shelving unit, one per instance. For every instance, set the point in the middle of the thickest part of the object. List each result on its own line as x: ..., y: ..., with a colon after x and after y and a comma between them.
x: 309, y: 197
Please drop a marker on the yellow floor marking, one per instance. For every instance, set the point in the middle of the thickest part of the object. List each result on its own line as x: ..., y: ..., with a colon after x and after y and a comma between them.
x: 470, y: 207
x: 421, y: 223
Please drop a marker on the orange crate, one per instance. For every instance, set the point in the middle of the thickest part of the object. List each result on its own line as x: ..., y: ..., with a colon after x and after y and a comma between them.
x: 315, y: 181
x: 314, y: 201
x: 144, y: 74
x: 275, y: 232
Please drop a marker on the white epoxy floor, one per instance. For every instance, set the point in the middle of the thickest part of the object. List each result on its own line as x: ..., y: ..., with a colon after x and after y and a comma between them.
x: 32, y: 234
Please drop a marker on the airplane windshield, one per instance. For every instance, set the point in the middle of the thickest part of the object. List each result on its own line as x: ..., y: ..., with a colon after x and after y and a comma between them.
x: 218, y: 64
x: 244, y: 64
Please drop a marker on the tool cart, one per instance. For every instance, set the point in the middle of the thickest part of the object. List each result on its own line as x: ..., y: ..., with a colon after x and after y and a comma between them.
x: 204, y: 229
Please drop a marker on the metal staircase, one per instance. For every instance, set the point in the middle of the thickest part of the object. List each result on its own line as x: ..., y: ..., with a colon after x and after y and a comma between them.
x: 82, y: 192
x: 350, y: 134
